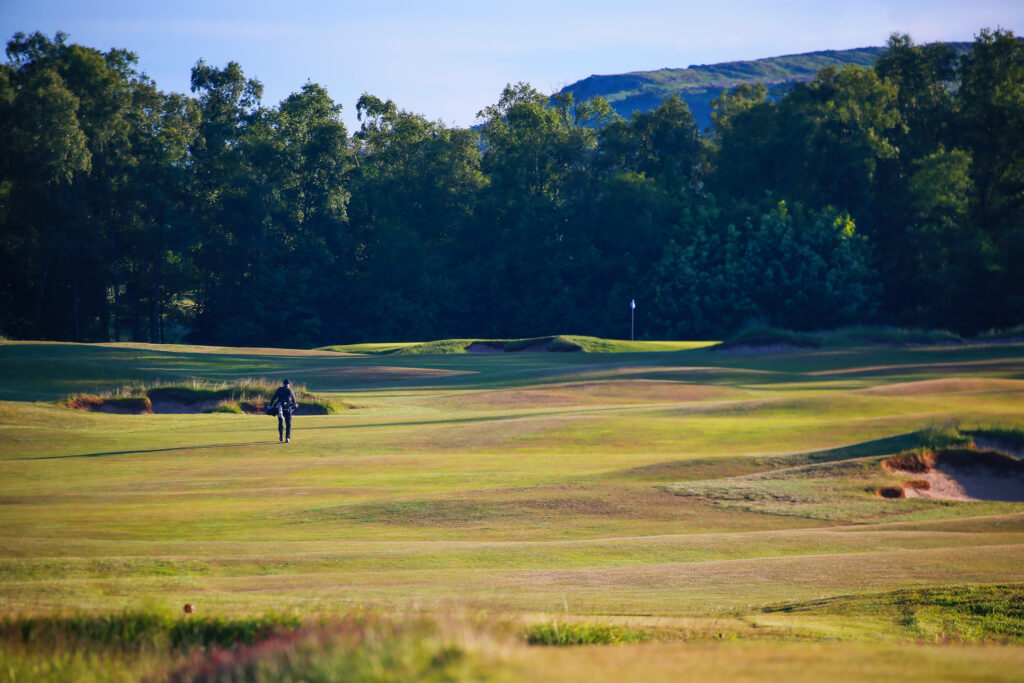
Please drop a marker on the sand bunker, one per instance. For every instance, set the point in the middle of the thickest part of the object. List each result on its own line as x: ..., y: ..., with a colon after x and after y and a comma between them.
x: 141, y: 405
x: 119, y: 405
x: 957, y: 474
x: 485, y: 347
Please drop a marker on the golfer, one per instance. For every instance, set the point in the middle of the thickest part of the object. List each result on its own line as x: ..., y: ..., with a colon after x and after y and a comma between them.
x: 284, y: 404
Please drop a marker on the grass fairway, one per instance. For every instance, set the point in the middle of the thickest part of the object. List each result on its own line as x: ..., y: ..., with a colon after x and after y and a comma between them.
x: 719, y: 507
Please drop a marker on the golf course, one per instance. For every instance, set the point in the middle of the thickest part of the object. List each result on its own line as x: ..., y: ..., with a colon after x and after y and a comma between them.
x: 677, y: 510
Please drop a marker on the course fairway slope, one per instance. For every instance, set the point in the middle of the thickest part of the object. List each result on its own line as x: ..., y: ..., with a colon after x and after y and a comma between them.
x: 622, y: 515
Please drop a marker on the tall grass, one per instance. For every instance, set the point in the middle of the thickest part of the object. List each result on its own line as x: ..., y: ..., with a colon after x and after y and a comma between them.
x: 889, y: 335
x: 553, y: 633
x: 1003, y: 333
x: 354, y: 649
x: 944, y: 434
x: 132, y: 630
x: 237, y: 396
x: 136, y: 645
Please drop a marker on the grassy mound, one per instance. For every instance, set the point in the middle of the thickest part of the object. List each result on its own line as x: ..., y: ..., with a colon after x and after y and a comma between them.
x: 769, y: 338
x: 556, y: 343
x: 960, y: 614
x: 889, y: 336
x: 230, y: 407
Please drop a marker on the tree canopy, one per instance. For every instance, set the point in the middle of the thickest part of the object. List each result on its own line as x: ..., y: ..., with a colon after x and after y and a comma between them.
x: 889, y: 194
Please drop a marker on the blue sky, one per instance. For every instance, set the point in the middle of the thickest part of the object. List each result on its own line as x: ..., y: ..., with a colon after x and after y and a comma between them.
x: 447, y: 59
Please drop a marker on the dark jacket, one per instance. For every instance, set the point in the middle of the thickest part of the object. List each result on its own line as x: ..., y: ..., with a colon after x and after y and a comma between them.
x: 285, y: 396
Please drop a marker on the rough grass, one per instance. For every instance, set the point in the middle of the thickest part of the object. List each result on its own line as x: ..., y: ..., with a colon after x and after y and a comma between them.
x: 554, y: 633
x: 138, y: 629
x: 944, y: 614
x: 116, y: 403
x: 352, y: 650
x: 917, y: 462
x: 232, y: 407
x: 1014, y: 332
x: 153, y: 645
x: 755, y: 338
x: 895, y: 336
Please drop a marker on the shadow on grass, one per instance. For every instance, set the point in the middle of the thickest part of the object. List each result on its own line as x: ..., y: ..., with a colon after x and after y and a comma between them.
x: 304, y: 428
x: 153, y: 450
x: 732, y: 466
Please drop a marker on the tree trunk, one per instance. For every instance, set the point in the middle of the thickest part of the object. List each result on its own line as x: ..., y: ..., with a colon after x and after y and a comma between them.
x: 74, y: 305
x: 154, y: 316
x: 117, y: 299
x: 40, y: 293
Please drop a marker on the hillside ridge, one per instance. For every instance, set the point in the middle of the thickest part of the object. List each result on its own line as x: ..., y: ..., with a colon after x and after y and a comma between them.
x: 699, y: 84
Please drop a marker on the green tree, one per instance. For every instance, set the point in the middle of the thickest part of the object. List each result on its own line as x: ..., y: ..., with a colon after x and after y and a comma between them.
x: 414, y: 192
x: 790, y: 267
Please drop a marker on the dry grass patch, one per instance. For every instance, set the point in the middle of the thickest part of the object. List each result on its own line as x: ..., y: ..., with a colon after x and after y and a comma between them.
x: 948, y: 385
x: 915, y: 462
x: 632, y: 391
x: 122, y: 405
x: 518, y: 507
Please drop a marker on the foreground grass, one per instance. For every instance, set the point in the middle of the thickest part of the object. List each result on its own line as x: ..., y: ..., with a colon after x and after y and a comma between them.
x: 367, y: 647
x: 691, y: 496
x: 148, y: 645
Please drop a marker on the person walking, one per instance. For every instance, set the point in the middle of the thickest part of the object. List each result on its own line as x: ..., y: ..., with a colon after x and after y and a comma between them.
x: 284, y: 404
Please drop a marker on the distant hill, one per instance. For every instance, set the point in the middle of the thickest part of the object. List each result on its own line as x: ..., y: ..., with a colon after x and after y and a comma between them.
x: 699, y: 85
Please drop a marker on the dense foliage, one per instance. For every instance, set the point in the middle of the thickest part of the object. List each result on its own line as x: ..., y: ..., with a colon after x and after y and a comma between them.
x: 891, y: 194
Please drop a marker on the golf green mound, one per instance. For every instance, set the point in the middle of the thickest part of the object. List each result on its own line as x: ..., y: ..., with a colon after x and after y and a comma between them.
x: 556, y: 343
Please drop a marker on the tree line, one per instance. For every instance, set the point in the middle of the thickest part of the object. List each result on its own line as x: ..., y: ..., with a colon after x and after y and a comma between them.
x: 889, y: 194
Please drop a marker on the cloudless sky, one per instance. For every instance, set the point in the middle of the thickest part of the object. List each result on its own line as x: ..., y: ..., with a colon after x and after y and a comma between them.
x: 448, y: 59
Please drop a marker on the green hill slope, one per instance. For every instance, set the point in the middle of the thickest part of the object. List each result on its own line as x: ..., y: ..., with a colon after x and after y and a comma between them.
x: 698, y: 85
